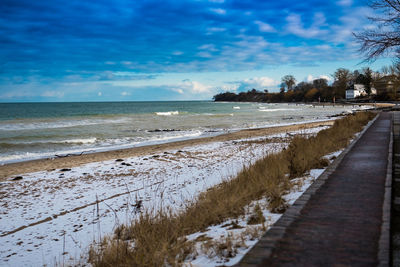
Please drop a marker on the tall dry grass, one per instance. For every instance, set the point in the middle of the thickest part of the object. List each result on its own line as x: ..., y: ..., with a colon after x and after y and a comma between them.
x: 157, y: 240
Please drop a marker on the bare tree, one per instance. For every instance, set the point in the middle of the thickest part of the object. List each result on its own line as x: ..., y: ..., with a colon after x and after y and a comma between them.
x: 342, y: 78
x: 386, y: 37
x: 289, y: 81
x: 393, y: 73
x: 393, y: 70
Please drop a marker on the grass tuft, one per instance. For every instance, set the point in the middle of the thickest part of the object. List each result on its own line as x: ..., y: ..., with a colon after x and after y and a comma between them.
x: 257, y: 217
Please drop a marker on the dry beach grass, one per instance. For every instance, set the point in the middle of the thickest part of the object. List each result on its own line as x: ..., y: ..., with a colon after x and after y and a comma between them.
x: 158, y: 237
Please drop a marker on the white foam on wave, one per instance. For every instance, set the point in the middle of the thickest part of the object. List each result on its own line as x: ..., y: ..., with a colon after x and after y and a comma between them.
x: 168, y: 113
x: 38, y: 155
x: 216, y: 114
x: 175, y: 136
x: 54, y: 124
x: 79, y: 141
x: 20, y: 157
x: 274, y: 109
x: 106, y: 145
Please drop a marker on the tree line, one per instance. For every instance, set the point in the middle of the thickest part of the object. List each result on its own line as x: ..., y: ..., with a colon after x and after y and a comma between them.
x: 319, y: 89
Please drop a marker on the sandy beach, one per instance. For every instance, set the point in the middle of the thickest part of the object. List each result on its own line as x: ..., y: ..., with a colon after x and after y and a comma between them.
x: 19, y: 168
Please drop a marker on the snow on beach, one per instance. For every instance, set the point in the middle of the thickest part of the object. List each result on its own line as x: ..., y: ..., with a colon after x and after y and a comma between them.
x: 52, y: 217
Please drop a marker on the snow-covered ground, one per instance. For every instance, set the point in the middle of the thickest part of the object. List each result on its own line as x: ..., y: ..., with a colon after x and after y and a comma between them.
x: 51, y: 217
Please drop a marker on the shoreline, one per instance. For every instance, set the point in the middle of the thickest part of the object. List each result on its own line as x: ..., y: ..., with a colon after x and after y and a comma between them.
x: 49, y: 164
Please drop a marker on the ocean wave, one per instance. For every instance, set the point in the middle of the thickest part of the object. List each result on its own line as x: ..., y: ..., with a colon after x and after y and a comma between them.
x: 23, y: 156
x: 274, y: 109
x: 216, y: 114
x: 79, y: 141
x: 48, y: 143
x: 184, y: 135
x: 163, y: 130
x: 15, y: 152
x: 54, y: 124
x: 168, y: 113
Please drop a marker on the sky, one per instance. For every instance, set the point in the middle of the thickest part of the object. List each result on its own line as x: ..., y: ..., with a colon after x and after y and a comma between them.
x: 144, y: 50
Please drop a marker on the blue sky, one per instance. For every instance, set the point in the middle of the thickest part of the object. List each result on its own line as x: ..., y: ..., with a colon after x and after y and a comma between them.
x: 76, y: 50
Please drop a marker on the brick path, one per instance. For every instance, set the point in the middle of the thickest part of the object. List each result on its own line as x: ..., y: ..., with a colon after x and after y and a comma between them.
x: 339, y: 221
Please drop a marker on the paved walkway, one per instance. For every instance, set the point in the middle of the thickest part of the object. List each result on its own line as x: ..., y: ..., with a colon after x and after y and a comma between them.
x: 342, y: 220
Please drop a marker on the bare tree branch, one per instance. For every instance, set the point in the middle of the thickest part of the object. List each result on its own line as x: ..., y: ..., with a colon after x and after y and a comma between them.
x: 386, y: 38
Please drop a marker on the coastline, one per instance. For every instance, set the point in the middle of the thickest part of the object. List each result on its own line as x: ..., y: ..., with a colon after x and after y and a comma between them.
x: 49, y: 164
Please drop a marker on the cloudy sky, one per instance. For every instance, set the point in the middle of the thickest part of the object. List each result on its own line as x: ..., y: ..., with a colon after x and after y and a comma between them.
x: 103, y: 50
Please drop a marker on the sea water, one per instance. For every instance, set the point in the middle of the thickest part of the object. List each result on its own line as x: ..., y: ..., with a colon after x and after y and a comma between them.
x: 41, y: 130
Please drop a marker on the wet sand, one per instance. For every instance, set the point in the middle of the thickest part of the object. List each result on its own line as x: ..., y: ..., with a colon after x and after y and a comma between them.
x: 19, y: 168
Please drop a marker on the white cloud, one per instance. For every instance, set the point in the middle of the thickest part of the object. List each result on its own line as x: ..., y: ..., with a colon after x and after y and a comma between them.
x: 264, y: 27
x: 229, y: 88
x: 127, y: 62
x: 57, y: 94
x: 319, y: 19
x: 208, y: 47
x: 196, y: 87
x: 259, y: 83
x: 16, y: 94
x: 310, y: 78
x: 177, y: 53
x: 219, y: 11
x: 370, y: 27
x: 212, y: 30
x: 326, y: 77
x: 250, y: 43
x: 351, y: 22
x: 178, y: 90
x: 344, y: 2
x: 324, y: 47
x: 191, y: 89
x: 296, y: 26
x: 124, y: 73
x: 99, y: 93
x: 124, y: 93
x: 204, y: 54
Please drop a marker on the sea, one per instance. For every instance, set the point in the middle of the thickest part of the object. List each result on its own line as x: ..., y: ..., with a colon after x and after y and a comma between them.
x: 44, y: 130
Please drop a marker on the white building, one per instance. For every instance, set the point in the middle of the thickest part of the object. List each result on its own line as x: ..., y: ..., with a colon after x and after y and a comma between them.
x: 358, y: 90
